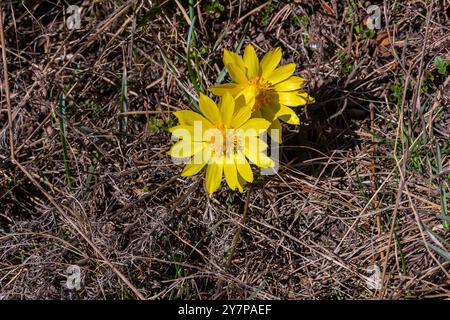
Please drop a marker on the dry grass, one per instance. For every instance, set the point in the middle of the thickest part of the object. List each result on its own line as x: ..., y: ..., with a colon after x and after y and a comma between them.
x: 363, y: 180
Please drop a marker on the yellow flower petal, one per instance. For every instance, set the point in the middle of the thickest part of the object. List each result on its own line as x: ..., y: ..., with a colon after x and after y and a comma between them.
x: 255, y: 126
x: 241, y: 116
x: 243, y: 167
x: 265, y: 161
x: 227, y: 108
x: 230, y: 172
x: 233, y: 58
x: 288, y: 115
x: 249, y: 93
x: 281, y: 73
x: 185, y: 148
x: 220, y: 89
x: 269, y: 62
x: 209, y: 109
x: 182, y: 131
x: 188, y: 117
x: 251, y: 61
x: 307, y: 97
x: 276, y: 131
x: 192, y: 169
x: 253, y: 144
x: 261, y: 145
x: 240, y: 103
x: 258, y: 158
x: 242, y: 182
x: 292, y: 99
x: 214, y: 173
x: 202, y: 157
x: 291, y: 84
x: 236, y: 73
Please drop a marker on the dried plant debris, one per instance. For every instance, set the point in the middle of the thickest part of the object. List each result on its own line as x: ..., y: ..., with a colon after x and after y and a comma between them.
x: 359, y: 206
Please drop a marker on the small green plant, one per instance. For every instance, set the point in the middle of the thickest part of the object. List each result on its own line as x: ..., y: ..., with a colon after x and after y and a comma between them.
x: 265, y: 15
x: 154, y: 124
x: 91, y: 169
x: 396, y: 93
x: 441, y: 65
x: 170, y: 123
x: 350, y: 14
x: 368, y: 34
x: 414, y: 162
x: 342, y: 56
x: 230, y: 201
x: 203, y: 50
x: 363, y: 33
x: 7, y: 191
x: 215, y: 8
x: 87, y: 105
x: 346, y: 67
x: 427, y: 83
x: 301, y: 21
x: 306, y: 38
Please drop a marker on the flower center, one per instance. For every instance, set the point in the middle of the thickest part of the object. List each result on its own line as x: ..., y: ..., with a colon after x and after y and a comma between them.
x: 225, y: 142
x: 264, y: 92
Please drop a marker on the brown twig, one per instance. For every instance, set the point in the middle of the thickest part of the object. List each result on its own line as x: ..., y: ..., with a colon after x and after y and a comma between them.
x: 6, y: 85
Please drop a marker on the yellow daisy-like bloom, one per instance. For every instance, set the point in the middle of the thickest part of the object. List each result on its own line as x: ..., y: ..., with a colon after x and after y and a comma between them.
x: 223, y: 139
x: 270, y: 91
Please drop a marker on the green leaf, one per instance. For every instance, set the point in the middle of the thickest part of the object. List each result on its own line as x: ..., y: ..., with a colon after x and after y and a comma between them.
x: 154, y: 124
x: 442, y: 252
x: 441, y: 65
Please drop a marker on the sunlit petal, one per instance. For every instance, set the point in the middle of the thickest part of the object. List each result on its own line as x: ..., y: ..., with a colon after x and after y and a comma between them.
x: 210, y: 110
x: 281, y: 73
x: 233, y: 58
x: 251, y: 61
x: 255, y: 126
x: 276, y: 131
x: 258, y: 158
x: 269, y: 62
x: 243, y: 167
x: 214, y: 172
x: 291, y: 84
x: 288, y: 115
x: 241, y: 116
x: 192, y: 169
x: 188, y: 118
x: 230, y: 171
x: 221, y: 89
x: 227, y: 108
x: 185, y: 148
x: 292, y: 99
x: 236, y: 73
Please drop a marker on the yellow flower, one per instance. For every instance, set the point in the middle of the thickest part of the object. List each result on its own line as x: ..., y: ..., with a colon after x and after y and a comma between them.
x: 223, y: 139
x: 270, y: 91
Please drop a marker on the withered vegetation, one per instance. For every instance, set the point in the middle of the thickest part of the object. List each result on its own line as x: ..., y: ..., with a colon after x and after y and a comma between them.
x: 363, y: 188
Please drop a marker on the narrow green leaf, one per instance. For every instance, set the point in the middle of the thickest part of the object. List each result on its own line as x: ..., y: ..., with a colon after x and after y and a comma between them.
x: 91, y: 170
x: 442, y: 252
